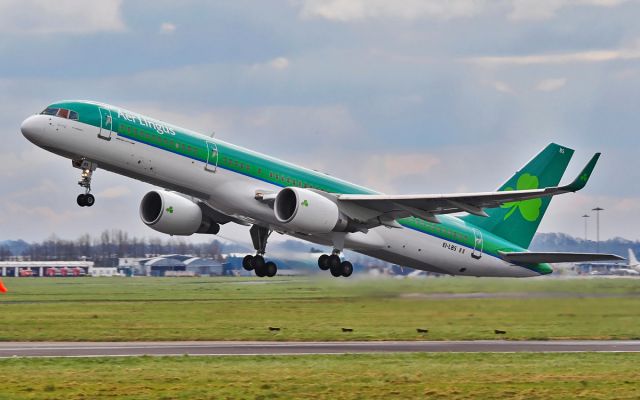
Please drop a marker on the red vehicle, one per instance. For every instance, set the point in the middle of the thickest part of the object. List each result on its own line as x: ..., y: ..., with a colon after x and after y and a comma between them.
x: 25, y: 272
x: 52, y: 272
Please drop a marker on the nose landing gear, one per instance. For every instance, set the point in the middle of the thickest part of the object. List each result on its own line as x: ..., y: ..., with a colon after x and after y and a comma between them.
x: 85, y: 199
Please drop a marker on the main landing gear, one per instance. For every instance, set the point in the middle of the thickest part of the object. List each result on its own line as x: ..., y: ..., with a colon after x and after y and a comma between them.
x: 85, y: 199
x: 257, y: 263
x: 334, y: 265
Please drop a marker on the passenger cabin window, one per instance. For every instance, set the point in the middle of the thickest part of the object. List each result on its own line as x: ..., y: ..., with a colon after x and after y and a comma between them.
x: 61, y: 112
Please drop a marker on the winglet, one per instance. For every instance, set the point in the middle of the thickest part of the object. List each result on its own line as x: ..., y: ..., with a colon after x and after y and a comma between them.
x: 583, y: 178
x: 3, y: 289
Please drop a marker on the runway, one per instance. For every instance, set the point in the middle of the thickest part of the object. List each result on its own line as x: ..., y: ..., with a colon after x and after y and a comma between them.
x: 123, y: 349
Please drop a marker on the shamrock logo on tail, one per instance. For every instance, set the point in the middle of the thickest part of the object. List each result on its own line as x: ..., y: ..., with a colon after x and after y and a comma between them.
x: 529, y: 209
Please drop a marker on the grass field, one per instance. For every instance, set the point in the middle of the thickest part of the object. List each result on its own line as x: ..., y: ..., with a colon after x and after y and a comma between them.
x: 409, y: 376
x: 123, y: 309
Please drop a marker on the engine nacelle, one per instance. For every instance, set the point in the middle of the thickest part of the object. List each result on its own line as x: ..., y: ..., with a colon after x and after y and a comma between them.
x: 306, y: 211
x: 170, y: 213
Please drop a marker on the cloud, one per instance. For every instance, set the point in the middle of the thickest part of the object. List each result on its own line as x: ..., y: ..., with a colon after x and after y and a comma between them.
x: 354, y: 10
x: 502, y: 87
x: 520, y: 10
x: 167, y: 28
x: 60, y: 16
x: 546, y: 9
x: 593, y: 56
x: 392, y: 168
x: 550, y: 85
x: 13, y: 164
x: 279, y: 63
x: 114, y: 192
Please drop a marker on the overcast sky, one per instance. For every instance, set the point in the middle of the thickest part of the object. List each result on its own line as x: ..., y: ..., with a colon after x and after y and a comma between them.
x: 405, y: 96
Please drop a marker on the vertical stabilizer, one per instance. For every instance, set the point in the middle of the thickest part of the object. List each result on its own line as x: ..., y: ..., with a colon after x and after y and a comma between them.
x: 518, y: 221
x: 633, y: 261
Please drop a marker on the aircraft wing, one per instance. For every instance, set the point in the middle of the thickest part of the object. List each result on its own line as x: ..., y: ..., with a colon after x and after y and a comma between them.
x: 427, y: 206
x: 553, y: 257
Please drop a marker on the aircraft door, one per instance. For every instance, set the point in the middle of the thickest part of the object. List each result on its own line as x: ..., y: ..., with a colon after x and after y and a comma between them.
x: 211, y: 164
x: 477, y: 245
x: 106, y: 124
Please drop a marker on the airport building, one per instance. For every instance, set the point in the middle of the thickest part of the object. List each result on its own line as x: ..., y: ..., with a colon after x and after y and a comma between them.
x: 171, y: 265
x: 167, y: 265
x: 45, y: 268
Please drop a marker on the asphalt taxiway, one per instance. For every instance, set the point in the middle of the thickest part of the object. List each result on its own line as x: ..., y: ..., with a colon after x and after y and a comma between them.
x: 122, y: 349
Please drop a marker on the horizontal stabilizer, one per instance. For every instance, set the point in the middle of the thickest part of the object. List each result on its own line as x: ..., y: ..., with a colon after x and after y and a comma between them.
x: 552, y: 257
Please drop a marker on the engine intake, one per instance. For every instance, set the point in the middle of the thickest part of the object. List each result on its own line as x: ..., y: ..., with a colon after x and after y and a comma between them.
x: 170, y: 213
x: 306, y: 211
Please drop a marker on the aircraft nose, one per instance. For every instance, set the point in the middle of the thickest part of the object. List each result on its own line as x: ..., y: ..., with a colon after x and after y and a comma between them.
x: 31, y: 128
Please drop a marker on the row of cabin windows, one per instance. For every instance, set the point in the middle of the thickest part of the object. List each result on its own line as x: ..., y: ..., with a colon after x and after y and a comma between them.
x: 133, y: 131
x: 284, y: 179
x: 61, y: 112
x: 442, y: 230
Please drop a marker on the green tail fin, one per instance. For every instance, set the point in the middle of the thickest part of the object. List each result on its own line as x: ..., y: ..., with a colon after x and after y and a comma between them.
x: 518, y: 221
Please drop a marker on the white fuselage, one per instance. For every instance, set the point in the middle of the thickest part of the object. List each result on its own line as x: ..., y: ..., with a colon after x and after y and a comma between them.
x: 234, y: 194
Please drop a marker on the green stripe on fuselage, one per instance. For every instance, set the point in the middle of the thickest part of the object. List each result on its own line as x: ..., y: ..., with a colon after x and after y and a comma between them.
x: 277, y: 172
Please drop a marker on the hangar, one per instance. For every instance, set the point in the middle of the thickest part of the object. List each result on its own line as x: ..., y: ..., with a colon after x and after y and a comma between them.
x: 172, y: 264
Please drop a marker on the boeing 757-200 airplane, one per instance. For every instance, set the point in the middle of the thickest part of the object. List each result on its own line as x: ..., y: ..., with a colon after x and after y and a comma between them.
x: 207, y: 182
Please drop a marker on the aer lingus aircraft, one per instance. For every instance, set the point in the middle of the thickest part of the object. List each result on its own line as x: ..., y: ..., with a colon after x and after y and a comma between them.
x: 208, y: 182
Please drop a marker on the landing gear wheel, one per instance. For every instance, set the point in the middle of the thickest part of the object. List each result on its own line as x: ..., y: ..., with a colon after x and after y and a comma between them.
x: 89, y: 200
x: 323, y: 262
x: 347, y: 269
x: 247, y: 262
x: 82, y: 200
x: 336, y: 271
x: 333, y: 261
x: 270, y: 269
x: 258, y: 262
x: 260, y: 272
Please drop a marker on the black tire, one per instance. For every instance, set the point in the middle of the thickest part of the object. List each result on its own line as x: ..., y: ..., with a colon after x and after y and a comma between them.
x: 89, y: 200
x: 333, y: 262
x: 336, y: 272
x: 347, y: 269
x: 247, y: 262
x: 323, y: 262
x: 260, y: 271
x: 81, y: 200
x: 258, y: 262
x: 270, y: 269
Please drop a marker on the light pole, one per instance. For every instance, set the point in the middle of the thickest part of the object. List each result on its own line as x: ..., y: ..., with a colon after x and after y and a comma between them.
x: 597, y: 210
x: 585, y: 227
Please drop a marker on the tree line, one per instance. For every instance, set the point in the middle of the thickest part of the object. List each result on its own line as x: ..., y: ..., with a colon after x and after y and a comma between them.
x: 110, y: 244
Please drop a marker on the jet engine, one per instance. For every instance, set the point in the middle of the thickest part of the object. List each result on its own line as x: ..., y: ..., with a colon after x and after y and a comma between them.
x: 170, y: 213
x: 306, y: 211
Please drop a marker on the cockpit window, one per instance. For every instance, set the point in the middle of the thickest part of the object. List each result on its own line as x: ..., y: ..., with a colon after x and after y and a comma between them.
x: 61, y: 112
x: 50, y: 111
